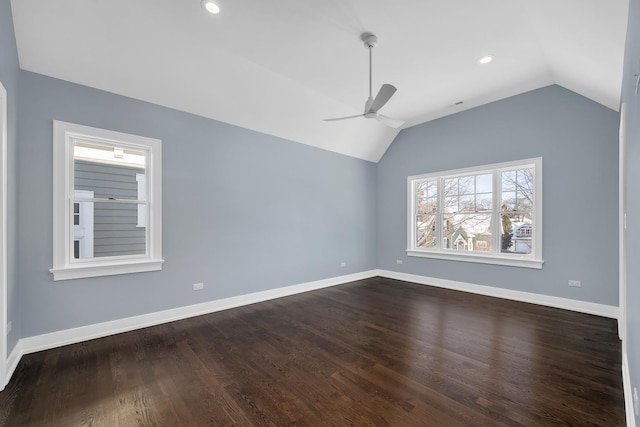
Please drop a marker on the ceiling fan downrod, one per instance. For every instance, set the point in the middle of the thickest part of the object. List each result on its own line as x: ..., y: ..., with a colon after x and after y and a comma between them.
x: 370, y: 41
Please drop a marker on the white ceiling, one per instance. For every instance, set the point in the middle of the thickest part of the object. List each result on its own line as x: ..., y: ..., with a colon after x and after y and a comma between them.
x: 281, y: 66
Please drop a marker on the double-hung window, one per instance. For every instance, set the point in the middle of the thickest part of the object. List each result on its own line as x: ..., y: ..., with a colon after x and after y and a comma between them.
x: 107, y: 202
x: 489, y: 214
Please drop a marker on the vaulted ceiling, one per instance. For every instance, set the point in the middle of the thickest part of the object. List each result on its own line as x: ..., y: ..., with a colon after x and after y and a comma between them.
x: 282, y: 66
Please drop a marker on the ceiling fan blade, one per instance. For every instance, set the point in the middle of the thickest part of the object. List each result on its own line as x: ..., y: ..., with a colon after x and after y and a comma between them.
x: 392, y: 123
x: 384, y: 94
x: 343, y: 118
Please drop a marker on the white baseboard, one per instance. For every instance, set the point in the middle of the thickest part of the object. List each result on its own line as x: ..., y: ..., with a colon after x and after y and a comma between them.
x: 12, y: 364
x: 628, y: 394
x: 550, y: 301
x: 85, y: 333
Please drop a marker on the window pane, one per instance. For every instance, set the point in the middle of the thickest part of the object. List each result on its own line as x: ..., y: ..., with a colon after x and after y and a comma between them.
x: 421, y: 189
x: 523, y: 204
x: 517, y: 190
x: 451, y: 204
x: 109, y: 229
x: 427, y: 206
x: 427, y: 188
x: 508, y: 181
x: 106, y: 170
x: 484, y: 183
x: 467, y: 203
x: 116, y: 231
x: 517, y: 233
x: 432, y: 204
x: 422, y: 207
x: 466, y: 185
x: 524, y: 178
x: 508, y: 201
x: 427, y: 197
x: 468, y: 193
x: 425, y: 231
x: 467, y: 232
x: 432, y: 188
x: 451, y: 187
x: 103, y: 171
x: 483, y: 202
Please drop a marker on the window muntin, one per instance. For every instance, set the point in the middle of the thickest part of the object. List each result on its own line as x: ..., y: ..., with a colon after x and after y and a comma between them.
x: 105, y: 221
x: 487, y: 214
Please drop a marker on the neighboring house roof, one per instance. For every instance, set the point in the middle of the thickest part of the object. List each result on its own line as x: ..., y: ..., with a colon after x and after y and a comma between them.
x: 458, y: 232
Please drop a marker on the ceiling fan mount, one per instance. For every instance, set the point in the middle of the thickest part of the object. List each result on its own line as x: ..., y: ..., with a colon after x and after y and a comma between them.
x: 385, y: 93
x: 370, y: 40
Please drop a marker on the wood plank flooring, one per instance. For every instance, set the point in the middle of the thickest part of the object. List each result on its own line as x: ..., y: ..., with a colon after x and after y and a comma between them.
x: 376, y: 352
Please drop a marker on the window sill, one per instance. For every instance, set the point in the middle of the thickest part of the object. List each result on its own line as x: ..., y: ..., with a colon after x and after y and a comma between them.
x: 483, y: 259
x: 105, y: 269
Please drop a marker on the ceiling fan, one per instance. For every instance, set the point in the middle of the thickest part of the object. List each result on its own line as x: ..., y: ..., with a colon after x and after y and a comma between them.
x: 385, y: 93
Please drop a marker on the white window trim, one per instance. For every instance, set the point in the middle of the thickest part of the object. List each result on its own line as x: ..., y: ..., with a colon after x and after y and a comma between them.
x: 64, y: 267
x: 534, y: 260
x: 4, y: 355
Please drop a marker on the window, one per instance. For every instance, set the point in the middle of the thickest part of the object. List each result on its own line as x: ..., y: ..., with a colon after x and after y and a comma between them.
x: 107, y: 203
x: 490, y: 214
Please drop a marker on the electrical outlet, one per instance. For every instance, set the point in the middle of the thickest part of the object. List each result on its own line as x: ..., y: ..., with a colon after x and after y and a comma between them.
x: 399, y: 261
x: 635, y: 401
x: 575, y: 283
x: 198, y: 286
x: 343, y: 264
x: 9, y: 325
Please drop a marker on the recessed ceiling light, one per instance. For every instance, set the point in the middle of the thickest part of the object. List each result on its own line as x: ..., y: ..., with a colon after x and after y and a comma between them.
x: 210, y: 6
x: 485, y: 59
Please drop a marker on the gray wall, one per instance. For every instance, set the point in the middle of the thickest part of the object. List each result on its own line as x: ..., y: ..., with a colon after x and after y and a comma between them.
x: 631, y: 67
x: 576, y: 138
x: 115, y: 225
x: 242, y: 211
x: 9, y: 75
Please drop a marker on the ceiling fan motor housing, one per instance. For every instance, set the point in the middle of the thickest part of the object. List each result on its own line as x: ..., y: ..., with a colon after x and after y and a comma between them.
x: 370, y: 41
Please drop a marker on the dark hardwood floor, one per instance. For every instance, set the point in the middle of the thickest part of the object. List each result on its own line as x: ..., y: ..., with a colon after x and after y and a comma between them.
x: 376, y: 352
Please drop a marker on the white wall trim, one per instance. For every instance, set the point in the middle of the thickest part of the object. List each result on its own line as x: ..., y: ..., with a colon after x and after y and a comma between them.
x: 512, y: 261
x: 12, y: 364
x: 98, y: 330
x: 4, y: 295
x: 84, y: 333
x: 550, y: 301
x: 628, y: 395
x: 622, y: 225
